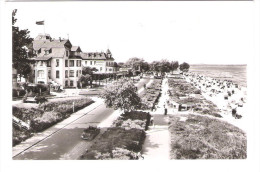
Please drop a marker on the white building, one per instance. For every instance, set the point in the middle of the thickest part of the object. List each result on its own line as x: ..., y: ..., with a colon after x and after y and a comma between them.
x: 103, y: 62
x: 58, y: 62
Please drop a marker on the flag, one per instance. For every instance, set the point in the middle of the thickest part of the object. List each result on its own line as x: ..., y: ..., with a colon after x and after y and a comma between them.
x: 40, y: 22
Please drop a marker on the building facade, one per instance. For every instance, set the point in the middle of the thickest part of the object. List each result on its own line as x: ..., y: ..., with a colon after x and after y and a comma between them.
x: 103, y: 62
x: 60, y: 63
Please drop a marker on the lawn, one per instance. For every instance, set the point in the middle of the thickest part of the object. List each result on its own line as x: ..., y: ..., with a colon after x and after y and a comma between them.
x: 201, y: 137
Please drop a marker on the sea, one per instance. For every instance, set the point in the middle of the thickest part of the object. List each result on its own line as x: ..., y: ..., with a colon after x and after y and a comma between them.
x: 236, y: 73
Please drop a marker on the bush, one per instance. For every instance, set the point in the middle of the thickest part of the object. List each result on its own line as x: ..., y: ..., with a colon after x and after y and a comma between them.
x: 116, y: 143
x: 20, y: 135
x: 49, y: 113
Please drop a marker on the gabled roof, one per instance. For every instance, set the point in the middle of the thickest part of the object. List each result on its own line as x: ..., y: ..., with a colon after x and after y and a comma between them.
x: 37, y: 44
x: 76, y: 48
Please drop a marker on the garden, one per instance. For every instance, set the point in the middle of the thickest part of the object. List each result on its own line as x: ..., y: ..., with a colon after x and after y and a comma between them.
x: 45, y: 115
x: 122, y: 141
x: 202, y: 137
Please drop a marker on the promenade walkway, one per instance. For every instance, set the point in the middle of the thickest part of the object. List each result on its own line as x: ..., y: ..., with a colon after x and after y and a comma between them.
x: 157, y: 142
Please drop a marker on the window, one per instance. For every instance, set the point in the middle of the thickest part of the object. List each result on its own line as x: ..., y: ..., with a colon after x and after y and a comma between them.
x: 71, y: 73
x: 40, y: 73
x: 57, y: 62
x: 90, y: 62
x: 66, y: 83
x: 71, y: 63
x: 66, y: 63
x: 77, y: 73
x: 78, y: 63
x: 94, y: 62
x: 46, y: 52
x: 67, y: 53
x: 39, y: 51
x: 57, y: 74
x: 66, y: 73
x: 41, y: 63
x: 49, y: 73
x: 100, y: 68
x: 86, y: 62
x: 110, y: 69
x: 71, y: 83
x: 48, y: 63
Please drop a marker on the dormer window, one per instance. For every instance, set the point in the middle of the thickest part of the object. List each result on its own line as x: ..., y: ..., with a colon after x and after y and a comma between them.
x: 39, y: 51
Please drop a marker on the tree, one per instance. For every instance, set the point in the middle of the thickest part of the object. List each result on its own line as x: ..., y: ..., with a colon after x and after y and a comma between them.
x: 184, y: 67
x: 87, y: 76
x: 88, y: 70
x: 122, y: 95
x: 21, y: 55
x: 161, y: 66
x: 84, y: 79
x: 174, y: 65
x: 137, y: 64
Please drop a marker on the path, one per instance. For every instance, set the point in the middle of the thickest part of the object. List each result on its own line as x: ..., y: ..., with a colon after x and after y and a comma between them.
x: 157, y: 142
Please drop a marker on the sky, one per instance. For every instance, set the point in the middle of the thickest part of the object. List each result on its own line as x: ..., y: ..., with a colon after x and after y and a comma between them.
x: 194, y: 32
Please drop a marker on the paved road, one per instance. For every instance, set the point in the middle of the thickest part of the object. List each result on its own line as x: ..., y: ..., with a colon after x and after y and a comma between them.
x: 66, y: 143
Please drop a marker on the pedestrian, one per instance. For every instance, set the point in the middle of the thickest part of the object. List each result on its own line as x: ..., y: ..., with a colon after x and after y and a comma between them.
x: 165, y: 111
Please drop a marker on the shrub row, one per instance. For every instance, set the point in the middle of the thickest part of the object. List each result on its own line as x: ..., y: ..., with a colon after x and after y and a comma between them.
x: 49, y: 113
x: 116, y: 143
x: 133, y: 119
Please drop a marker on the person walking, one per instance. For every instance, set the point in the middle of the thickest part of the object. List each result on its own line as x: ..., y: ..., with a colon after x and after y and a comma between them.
x: 165, y: 111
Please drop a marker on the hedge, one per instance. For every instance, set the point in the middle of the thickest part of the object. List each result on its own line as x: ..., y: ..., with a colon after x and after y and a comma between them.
x: 49, y: 113
x: 116, y: 143
x: 136, y: 117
